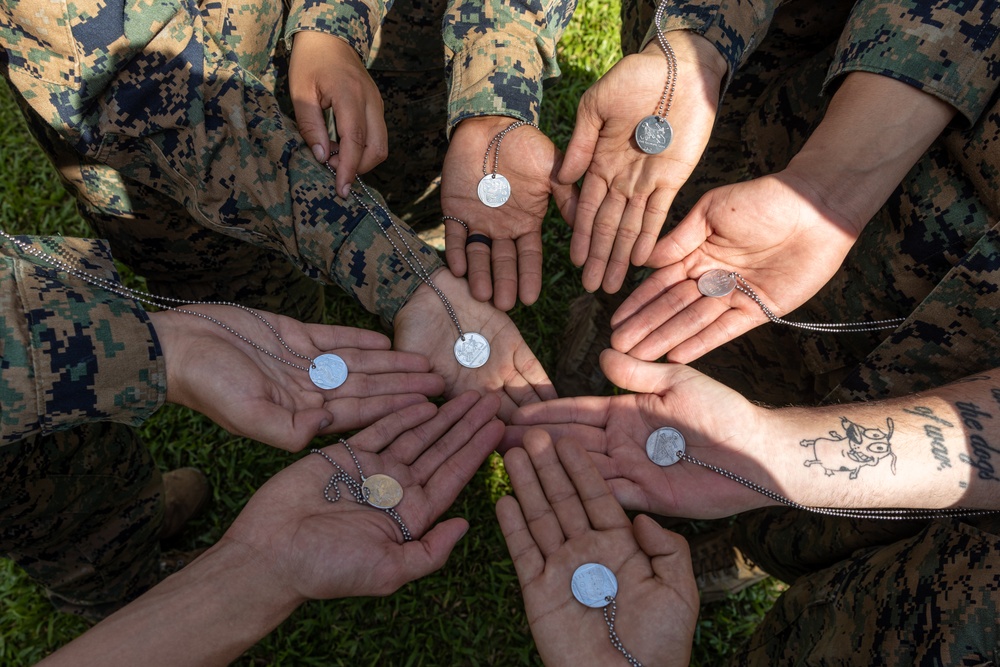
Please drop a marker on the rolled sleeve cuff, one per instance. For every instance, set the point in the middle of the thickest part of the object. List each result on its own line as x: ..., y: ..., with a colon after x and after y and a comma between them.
x: 950, y: 53
x: 354, y: 21
x: 496, y: 78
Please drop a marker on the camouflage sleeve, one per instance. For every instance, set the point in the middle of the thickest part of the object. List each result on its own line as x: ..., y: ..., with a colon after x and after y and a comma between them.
x: 171, y: 103
x: 356, y: 21
x: 71, y: 353
x: 498, y: 52
x: 735, y: 27
x: 949, y: 50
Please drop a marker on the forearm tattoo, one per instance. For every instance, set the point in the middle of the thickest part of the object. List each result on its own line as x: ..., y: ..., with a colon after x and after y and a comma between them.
x: 852, y: 448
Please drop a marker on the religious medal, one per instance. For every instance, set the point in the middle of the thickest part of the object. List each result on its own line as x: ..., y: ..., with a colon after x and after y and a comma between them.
x: 593, y: 584
x: 382, y: 491
x: 328, y: 371
x: 664, y: 446
x: 472, y: 350
x: 716, y: 283
x: 653, y: 134
x: 493, y: 190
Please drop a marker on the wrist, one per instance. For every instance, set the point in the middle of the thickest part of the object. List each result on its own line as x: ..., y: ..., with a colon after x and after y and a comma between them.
x: 693, y: 50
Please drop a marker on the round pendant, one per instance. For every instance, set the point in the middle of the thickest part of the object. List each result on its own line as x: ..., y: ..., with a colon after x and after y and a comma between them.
x: 653, y: 134
x: 382, y: 491
x: 593, y: 584
x: 328, y: 371
x: 493, y: 190
x: 473, y: 351
x: 716, y: 283
x: 664, y: 446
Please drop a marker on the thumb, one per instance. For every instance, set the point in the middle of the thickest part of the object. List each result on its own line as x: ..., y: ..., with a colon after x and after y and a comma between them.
x: 583, y: 143
x: 646, y: 377
x: 430, y: 553
x: 668, y: 552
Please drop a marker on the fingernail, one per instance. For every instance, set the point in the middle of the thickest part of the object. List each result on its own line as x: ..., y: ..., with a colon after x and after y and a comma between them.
x: 323, y: 424
x: 319, y: 153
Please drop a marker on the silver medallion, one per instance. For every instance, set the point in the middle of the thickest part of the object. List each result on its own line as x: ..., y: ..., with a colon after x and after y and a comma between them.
x: 328, y: 371
x: 716, y: 283
x: 493, y: 190
x: 664, y: 446
x: 653, y: 134
x: 472, y: 350
x: 593, y: 584
x: 382, y: 491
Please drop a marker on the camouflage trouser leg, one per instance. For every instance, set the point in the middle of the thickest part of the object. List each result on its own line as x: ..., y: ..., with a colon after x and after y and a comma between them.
x: 81, y: 513
x: 922, y: 593
x: 407, y: 64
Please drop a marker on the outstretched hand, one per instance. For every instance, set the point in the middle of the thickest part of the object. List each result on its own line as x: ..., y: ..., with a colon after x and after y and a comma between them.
x: 718, y: 424
x: 626, y: 193
x: 423, y: 326
x: 512, y: 267
x: 321, y: 550
x: 252, y: 394
x: 563, y: 517
x: 774, y: 231
x: 325, y: 72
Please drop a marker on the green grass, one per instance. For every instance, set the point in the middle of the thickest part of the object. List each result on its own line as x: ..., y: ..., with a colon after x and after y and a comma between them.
x: 470, y: 612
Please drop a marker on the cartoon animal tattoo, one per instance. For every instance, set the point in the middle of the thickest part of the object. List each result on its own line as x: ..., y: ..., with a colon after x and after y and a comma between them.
x: 853, y: 449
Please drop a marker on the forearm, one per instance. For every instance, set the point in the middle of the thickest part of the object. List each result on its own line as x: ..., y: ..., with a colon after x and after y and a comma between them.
x: 937, y: 449
x: 874, y: 130
x: 206, y: 614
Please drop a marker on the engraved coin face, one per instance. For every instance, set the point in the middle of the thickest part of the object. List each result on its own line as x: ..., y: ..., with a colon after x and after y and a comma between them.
x: 493, y: 190
x: 653, y: 134
x: 472, y: 352
x: 328, y: 371
x: 593, y: 583
x: 664, y: 445
x: 382, y: 491
x: 716, y: 283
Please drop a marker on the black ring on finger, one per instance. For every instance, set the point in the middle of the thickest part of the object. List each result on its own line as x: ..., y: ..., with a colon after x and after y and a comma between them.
x: 479, y: 238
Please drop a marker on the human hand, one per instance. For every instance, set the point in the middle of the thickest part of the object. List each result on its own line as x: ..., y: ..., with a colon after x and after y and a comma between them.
x: 315, y: 549
x: 564, y: 517
x: 626, y: 193
x: 774, y: 231
x: 251, y: 394
x: 324, y: 72
x: 423, y: 326
x: 529, y: 160
x: 719, y: 426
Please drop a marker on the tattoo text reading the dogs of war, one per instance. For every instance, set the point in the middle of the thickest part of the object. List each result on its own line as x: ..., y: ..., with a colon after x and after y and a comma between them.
x: 982, y: 451
x: 934, y: 432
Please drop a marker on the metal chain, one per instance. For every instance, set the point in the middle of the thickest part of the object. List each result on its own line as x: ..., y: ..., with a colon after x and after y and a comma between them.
x: 410, y: 256
x: 615, y: 640
x: 873, y: 325
x: 162, y: 301
x: 668, y: 89
x: 357, y: 490
x: 498, y: 139
x: 876, y: 513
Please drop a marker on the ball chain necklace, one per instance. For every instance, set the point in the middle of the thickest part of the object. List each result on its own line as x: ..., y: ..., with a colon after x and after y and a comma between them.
x: 653, y: 133
x: 380, y: 491
x: 718, y: 283
x: 494, y: 188
x: 594, y: 585
x: 472, y: 350
x: 666, y: 446
x: 327, y: 371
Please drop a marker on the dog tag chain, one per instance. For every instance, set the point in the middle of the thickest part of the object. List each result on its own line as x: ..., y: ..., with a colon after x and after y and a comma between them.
x: 653, y: 133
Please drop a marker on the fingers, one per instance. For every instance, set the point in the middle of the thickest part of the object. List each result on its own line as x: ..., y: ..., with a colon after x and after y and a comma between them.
x: 632, y: 374
x: 657, y: 287
x: 455, y: 234
x: 529, y: 267
x: 352, y: 413
x: 583, y: 143
x: 430, y: 553
x: 602, y: 510
x: 291, y: 431
x: 528, y: 560
x: 653, y: 216
x: 311, y: 121
x: 592, y: 194
x: 591, y: 437
x: 332, y: 337
x: 559, y: 490
x: 542, y: 522
x: 480, y: 277
x: 409, y: 445
x: 505, y: 261
x: 580, y: 410
x: 467, y: 424
x: 454, y: 473
x: 380, y: 434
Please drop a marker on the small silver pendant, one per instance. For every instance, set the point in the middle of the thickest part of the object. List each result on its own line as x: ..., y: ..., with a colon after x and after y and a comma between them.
x: 493, y: 190
x: 653, y: 134
x: 328, y: 371
x: 664, y: 446
x: 593, y: 584
x: 473, y: 351
x: 382, y: 491
x: 716, y: 283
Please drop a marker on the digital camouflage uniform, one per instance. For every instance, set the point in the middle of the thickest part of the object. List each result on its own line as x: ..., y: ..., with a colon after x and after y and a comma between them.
x: 170, y: 123
x: 884, y: 593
